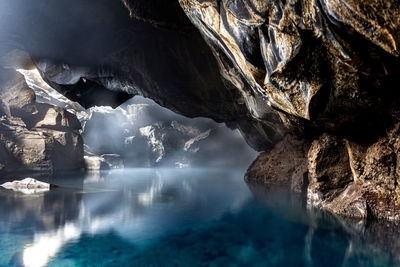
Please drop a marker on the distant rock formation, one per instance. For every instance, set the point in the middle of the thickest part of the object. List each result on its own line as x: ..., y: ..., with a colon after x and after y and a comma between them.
x: 145, y: 135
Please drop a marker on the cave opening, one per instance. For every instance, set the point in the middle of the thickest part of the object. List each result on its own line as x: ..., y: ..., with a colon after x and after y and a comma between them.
x: 199, y: 133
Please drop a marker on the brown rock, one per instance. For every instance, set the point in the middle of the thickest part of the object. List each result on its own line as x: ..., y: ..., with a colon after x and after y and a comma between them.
x: 23, y: 149
x: 323, y: 61
x: 355, y: 180
x: 16, y: 98
x: 285, y: 164
x: 350, y: 202
x: 328, y: 167
x: 53, y: 117
x: 344, y: 178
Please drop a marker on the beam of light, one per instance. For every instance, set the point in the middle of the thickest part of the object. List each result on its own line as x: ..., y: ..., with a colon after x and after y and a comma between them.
x: 47, y: 245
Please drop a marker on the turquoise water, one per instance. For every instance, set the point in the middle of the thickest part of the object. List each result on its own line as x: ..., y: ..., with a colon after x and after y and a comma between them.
x: 181, y: 217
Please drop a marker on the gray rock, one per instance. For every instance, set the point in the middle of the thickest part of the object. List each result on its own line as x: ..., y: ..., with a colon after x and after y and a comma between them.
x: 27, y: 186
x: 95, y: 163
x: 33, y: 136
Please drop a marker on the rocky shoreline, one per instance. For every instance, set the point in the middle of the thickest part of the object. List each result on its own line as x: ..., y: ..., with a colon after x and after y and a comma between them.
x: 335, y: 174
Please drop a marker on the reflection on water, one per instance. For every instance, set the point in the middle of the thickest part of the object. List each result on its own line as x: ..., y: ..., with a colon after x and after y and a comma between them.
x: 183, y: 217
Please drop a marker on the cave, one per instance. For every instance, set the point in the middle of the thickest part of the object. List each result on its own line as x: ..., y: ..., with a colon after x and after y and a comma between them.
x: 199, y: 133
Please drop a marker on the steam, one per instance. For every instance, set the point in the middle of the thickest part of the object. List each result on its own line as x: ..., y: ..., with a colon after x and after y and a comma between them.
x: 76, y: 32
x: 140, y: 127
x: 145, y: 134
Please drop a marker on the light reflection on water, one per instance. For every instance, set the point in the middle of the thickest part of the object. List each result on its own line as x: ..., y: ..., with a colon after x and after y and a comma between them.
x: 187, y: 217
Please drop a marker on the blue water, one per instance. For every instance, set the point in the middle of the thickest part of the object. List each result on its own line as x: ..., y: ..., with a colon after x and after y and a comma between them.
x: 181, y: 217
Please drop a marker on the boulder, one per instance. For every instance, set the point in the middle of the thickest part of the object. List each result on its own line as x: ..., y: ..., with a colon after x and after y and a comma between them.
x: 283, y: 165
x: 27, y: 183
x: 28, y: 186
x: 95, y: 163
x: 328, y: 167
x: 356, y: 180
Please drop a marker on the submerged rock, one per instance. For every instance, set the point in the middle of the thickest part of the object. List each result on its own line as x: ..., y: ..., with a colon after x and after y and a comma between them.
x: 95, y: 163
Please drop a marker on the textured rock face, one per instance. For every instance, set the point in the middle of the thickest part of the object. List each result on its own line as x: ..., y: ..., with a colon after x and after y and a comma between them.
x: 33, y: 136
x: 343, y: 177
x: 16, y: 98
x: 323, y: 61
x: 283, y: 165
x: 323, y: 66
x: 365, y: 185
x: 38, y: 149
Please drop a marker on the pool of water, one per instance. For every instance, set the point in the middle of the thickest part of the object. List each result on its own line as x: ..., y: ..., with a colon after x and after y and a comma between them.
x: 180, y: 217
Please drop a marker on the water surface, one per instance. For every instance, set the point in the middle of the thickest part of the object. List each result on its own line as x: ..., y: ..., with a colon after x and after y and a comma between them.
x: 180, y: 217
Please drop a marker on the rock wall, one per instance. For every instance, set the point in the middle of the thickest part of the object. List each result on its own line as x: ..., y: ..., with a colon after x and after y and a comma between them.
x: 336, y: 174
x: 34, y: 136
